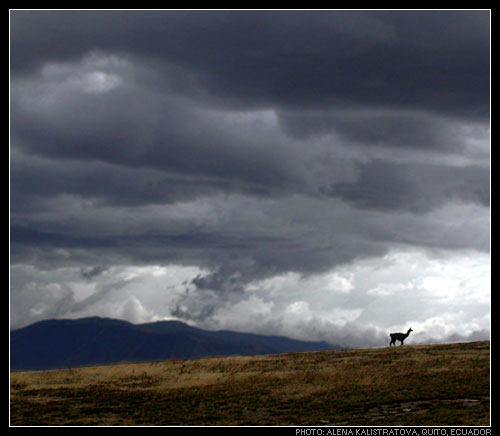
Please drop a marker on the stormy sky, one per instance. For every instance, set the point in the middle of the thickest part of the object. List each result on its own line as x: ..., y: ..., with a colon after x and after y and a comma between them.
x: 323, y: 175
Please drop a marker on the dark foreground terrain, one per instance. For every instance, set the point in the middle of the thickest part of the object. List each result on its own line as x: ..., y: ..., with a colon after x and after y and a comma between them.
x: 409, y: 385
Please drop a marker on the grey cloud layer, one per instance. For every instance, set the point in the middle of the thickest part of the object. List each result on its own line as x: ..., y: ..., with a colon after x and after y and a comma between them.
x: 436, y: 60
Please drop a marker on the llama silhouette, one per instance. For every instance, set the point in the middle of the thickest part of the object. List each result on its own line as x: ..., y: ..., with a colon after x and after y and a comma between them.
x: 399, y: 337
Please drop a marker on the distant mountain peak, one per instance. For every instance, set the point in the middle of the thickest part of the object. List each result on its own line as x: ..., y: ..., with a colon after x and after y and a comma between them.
x: 60, y: 343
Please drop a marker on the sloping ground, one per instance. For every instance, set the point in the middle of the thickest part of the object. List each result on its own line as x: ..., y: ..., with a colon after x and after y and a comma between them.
x: 409, y: 385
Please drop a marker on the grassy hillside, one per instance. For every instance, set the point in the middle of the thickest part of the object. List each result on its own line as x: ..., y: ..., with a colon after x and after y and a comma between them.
x: 409, y: 385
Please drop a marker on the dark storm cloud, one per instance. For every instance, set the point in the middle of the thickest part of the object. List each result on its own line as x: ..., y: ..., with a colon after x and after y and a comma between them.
x: 434, y: 60
x: 172, y: 145
x: 416, y: 188
x: 176, y: 149
x: 37, y: 179
x: 402, y: 129
x: 244, y: 144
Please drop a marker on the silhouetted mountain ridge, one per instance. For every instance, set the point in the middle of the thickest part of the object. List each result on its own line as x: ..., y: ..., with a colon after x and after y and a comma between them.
x: 65, y: 343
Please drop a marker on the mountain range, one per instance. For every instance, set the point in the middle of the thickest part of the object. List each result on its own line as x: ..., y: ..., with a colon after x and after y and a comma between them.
x: 66, y: 343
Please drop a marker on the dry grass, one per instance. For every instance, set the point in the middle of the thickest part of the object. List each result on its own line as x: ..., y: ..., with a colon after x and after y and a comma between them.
x: 409, y: 385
